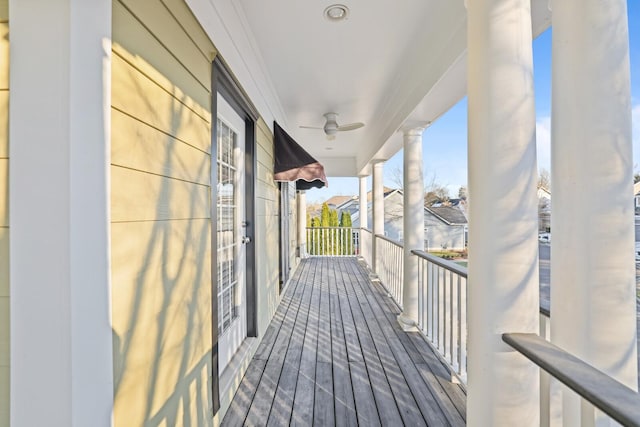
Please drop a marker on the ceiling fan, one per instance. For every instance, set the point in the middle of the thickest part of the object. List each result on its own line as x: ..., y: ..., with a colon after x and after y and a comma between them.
x: 331, y: 127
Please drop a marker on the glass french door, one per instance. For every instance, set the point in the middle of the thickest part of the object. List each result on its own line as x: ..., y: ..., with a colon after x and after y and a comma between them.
x: 231, y: 253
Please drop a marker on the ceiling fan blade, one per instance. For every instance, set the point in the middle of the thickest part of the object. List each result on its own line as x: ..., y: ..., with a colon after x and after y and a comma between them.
x: 310, y: 127
x: 350, y: 126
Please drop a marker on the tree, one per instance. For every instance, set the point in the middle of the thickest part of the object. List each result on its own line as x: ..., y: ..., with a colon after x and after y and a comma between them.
x: 435, y: 192
x: 314, y: 243
x: 346, y: 235
x: 396, y: 177
x: 544, y: 203
x: 345, y: 219
x: 462, y: 193
x: 636, y: 178
x: 333, y: 218
x: 324, y: 215
x: 544, y: 179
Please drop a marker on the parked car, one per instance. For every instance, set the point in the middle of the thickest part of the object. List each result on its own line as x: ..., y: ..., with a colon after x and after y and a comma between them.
x: 544, y: 237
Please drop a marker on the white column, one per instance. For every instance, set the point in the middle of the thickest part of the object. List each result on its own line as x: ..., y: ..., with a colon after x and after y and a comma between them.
x: 503, y: 386
x: 378, y: 209
x: 363, y: 213
x: 302, y: 224
x: 413, y: 225
x: 593, y: 278
x: 61, y: 339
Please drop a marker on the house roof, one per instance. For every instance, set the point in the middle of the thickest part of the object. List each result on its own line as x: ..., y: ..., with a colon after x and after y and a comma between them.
x: 448, y: 214
x: 386, y: 192
x: 338, y: 200
x: 636, y: 188
x: 544, y: 192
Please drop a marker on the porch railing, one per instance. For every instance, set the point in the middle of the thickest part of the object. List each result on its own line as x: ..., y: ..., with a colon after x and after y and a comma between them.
x: 592, y: 385
x: 442, y: 308
x: 366, y: 245
x: 442, y: 304
x: 389, y: 266
x: 333, y: 241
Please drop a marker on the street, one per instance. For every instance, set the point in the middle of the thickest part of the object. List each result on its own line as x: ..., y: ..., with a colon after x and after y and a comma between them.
x: 544, y: 251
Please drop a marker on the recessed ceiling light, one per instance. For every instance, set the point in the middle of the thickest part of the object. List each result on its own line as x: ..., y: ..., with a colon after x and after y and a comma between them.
x: 336, y: 12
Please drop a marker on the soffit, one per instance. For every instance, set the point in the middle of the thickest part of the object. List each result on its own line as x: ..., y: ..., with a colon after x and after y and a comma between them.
x: 388, y: 64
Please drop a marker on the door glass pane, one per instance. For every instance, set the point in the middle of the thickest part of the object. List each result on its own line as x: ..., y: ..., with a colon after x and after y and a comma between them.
x: 226, y: 227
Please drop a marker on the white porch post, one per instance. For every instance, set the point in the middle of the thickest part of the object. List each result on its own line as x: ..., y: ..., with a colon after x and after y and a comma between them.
x: 378, y: 209
x: 503, y: 386
x: 593, y: 278
x: 363, y: 211
x: 413, y: 225
x: 302, y: 224
x: 61, y: 339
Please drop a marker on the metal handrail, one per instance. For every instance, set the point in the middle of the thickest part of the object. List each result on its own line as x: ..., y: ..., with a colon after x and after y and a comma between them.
x: 604, y: 392
x: 383, y: 237
x: 452, y: 266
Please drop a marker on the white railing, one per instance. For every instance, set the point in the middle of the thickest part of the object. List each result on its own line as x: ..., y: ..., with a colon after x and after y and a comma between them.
x: 550, y: 391
x: 333, y: 241
x: 389, y: 266
x: 442, y: 298
x: 442, y: 304
x: 366, y: 245
x: 442, y: 309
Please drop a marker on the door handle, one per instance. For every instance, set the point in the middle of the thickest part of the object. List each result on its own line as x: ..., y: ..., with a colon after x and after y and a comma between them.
x: 246, y: 240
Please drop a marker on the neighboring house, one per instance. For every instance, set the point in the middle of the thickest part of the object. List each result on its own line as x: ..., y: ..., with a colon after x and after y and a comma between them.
x: 392, y: 208
x: 636, y: 198
x: 544, y: 209
x: 444, y: 228
x: 444, y: 225
x: 336, y: 201
x: 460, y: 204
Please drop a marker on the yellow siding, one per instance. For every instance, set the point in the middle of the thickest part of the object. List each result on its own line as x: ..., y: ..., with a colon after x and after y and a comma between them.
x: 4, y: 193
x: 4, y: 214
x: 4, y: 266
x: 169, y: 111
x: 162, y: 321
x: 4, y: 396
x: 4, y: 112
x: 155, y: 198
x: 144, y: 30
x: 267, y: 226
x: 160, y: 206
x: 146, y: 148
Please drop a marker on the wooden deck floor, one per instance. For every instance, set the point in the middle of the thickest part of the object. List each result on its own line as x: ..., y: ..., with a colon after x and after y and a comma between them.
x: 335, y: 355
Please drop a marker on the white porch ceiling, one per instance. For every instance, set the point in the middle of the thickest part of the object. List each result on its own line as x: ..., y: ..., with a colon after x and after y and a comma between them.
x: 389, y: 64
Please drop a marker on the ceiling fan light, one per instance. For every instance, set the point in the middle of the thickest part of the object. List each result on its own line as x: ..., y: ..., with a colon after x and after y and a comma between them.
x: 336, y: 12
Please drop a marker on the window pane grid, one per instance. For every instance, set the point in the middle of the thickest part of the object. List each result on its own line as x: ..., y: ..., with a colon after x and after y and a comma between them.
x: 226, y: 228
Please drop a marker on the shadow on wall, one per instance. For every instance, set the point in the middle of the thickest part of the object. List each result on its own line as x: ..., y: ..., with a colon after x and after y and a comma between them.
x: 161, y: 267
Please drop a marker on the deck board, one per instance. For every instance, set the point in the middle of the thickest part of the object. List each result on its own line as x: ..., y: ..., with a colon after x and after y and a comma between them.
x: 345, y: 408
x: 283, y: 401
x: 335, y: 355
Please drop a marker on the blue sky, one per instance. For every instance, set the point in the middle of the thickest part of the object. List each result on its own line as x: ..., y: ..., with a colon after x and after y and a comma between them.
x: 444, y: 143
